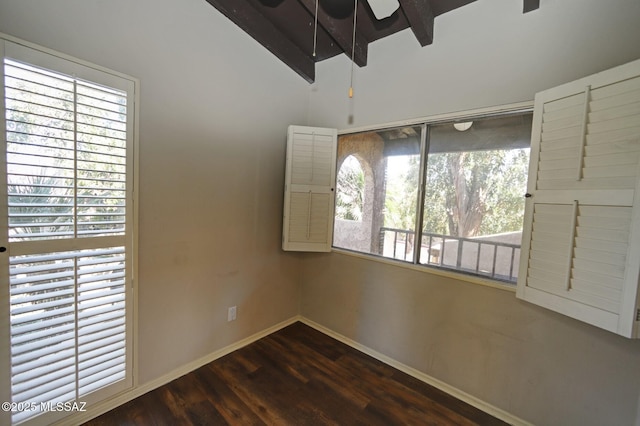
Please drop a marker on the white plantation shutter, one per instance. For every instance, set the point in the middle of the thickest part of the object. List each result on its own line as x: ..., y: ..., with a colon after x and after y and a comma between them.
x: 581, y: 253
x: 309, y: 189
x: 309, y: 213
x: 68, y: 170
x: 67, y: 324
x: 66, y: 145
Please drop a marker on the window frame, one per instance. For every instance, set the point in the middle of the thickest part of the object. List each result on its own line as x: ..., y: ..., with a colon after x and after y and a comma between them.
x: 424, y: 123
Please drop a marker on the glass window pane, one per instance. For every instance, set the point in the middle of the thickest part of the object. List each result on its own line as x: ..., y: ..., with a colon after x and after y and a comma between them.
x: 376, y: 196
x: 474, y: 200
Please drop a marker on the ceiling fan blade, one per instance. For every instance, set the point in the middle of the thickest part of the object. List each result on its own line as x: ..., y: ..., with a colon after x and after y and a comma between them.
x: 338, y: 9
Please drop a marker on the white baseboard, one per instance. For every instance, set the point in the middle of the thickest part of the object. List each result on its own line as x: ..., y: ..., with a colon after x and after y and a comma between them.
x: 130, y: 394
x: 457, y: 393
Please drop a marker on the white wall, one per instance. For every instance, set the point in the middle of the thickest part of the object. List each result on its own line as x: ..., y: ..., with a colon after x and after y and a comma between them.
x: 540, y: 366
x: 487, y: 53
x: 212, y: 147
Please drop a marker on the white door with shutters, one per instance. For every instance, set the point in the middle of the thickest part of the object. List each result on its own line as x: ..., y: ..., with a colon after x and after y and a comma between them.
x: 309, y: 189
x: 67, y: 232
x: 581, y: 247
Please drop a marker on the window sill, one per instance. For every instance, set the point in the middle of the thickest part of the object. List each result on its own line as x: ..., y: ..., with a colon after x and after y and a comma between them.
x: 487, y: 282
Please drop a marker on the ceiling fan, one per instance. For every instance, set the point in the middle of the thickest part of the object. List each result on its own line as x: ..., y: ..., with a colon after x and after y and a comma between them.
x: 340, y: 9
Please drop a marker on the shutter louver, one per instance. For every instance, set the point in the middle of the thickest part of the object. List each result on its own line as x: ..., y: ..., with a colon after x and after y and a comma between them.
x: 68, y: 165
x: 612, y: 141
x: 309, y: 189
x: 42, y: 329
x: 312, y: 156
x: 40, y: 153
x: 57, y: 127
x: 581, y: 252
x: 101, y: 317
x: 43, y: 323
x: 599, y: 247
x: 309, y: 217
x: 101, y: 161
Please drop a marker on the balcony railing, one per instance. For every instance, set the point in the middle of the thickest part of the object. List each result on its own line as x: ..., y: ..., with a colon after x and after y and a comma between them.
x: 484, y: 255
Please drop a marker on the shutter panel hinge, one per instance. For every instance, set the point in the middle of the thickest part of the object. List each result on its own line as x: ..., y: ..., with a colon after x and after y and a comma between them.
x: 638, y: 315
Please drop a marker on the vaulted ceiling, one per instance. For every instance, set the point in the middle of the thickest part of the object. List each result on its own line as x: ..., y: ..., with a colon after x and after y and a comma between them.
x: 286, y: 27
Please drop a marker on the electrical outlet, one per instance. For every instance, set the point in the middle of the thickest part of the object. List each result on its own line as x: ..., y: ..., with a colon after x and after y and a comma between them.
x: 231, y: 314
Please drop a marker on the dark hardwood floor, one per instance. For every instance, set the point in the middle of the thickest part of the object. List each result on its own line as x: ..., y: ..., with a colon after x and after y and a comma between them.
x: 296, y: 376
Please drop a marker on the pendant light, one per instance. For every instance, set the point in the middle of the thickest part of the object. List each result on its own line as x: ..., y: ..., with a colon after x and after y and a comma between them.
x: 315, y: 31
x: 353, y: 41
x: 353, y: 45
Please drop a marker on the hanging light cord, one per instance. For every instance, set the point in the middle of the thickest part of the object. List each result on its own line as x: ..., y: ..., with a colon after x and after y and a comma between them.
x: 315, y: 31
x: 353, y: 45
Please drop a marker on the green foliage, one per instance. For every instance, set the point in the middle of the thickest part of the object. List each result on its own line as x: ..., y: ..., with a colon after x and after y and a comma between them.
x: 475, y: 193
x: 30, y: 198
x: 467, y: 193
x: 402, y: 192
x: 350, y: 190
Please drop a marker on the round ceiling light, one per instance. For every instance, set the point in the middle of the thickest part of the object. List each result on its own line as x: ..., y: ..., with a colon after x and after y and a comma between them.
x: 463, y: 126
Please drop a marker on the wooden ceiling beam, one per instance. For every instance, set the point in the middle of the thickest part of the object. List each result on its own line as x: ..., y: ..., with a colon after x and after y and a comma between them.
x: 245, y: 16
x: 530, y: 5
x: 341, y: 30
x: 420, y: 15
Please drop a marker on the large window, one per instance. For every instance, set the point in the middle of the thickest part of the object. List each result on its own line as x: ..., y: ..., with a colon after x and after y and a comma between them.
x: 67, y: 267
x: 469, y: 215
